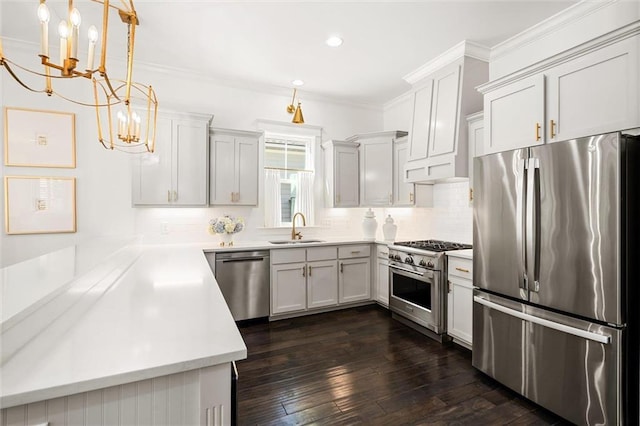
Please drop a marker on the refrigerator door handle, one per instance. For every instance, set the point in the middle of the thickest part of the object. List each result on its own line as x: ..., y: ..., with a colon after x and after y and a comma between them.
x: 532, y: 223
x: 521, y: 190
x: 596, y: 337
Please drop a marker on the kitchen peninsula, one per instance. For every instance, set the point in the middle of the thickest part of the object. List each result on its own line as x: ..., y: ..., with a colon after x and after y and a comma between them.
x: 124, y: 334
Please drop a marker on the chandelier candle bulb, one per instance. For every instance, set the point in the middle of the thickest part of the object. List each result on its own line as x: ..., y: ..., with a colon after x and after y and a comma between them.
x: 75, y: 31
x: 44, y: 16
x: 93, y: 38
x: 63, y: 31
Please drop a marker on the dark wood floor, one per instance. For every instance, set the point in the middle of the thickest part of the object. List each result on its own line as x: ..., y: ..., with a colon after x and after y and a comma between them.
x: 359, y: 366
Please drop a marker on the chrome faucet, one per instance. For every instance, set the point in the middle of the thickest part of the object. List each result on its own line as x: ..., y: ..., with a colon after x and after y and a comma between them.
x: 296, y: 235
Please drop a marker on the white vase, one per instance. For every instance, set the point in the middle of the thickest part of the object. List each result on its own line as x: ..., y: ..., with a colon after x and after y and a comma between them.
x: 369, y: 226
x: 389, y: 229
x: 226, y: 239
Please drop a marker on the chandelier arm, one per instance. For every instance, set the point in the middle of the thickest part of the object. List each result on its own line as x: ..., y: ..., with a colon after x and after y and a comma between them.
x: 10, y: 71
x: 111, y: 89
x: 84, y: 103
x: 61, y: 77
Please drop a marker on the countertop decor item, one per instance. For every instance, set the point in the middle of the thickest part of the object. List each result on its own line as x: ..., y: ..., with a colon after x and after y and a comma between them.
x: 226, y: 226
x: 389, y: 229
x: 369, y: 225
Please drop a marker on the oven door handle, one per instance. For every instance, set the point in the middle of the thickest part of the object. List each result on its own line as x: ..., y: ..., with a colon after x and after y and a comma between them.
x: 411, y: 271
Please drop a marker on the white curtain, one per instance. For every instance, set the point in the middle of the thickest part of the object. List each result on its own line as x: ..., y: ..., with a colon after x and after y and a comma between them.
x: 272, y: 207
x: 304, y: 198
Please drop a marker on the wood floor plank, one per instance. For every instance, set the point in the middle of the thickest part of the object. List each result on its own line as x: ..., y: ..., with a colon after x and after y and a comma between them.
x: 359, y: 366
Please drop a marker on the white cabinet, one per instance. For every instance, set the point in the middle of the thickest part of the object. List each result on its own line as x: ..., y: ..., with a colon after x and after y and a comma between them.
x: 438, y: 138
x: 382, y: 275
x: 586, y: 92
x: 234, y: 167
x: 404, y: 193
x: 475, y: 124
x: 354, y: 282
x: 176, y: 173
x: 377, y: 168
x: 303, y: 279
x: 341, y: 174
x: 460, y: 300
x: 515, y: 115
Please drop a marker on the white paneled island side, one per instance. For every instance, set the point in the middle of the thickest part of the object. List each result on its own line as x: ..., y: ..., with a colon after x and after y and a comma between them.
x: 138, y: 335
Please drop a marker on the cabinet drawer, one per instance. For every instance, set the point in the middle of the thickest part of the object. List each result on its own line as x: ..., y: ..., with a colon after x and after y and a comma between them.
x: 322, y: 253
x: 347, y: 252
x: 462, y: 268
x: 382, y: 251
x: 287, y: 256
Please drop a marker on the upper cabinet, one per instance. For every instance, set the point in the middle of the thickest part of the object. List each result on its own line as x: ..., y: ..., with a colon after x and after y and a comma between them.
x: 382, y: 156
x: 444, y: 94
x: 234, y: 167
x: 588, y: 90
x: 176, y: 173
x: 341, y: 174
x: 476, y: 144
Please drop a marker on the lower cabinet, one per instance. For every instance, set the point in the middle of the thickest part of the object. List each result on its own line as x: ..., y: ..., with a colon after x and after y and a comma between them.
x: 354, y: 281
x: 382, y: 274
x: 460, y: 301
x: 318, y: 277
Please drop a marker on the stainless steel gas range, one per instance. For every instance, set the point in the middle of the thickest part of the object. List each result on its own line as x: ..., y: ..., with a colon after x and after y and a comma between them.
x: 417, y: 285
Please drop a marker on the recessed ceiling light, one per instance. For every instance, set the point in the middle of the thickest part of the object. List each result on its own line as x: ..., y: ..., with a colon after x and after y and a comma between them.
x: 334, y: 41
x: 297, y: 82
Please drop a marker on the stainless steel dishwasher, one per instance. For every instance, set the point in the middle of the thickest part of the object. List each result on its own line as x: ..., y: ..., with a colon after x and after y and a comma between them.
x: 244, y: 279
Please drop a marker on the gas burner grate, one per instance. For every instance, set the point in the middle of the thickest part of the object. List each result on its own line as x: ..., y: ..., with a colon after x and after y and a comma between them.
x: 434, y: 245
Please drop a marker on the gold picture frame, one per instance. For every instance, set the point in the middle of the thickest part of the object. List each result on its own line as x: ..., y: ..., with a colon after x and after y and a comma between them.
x: 39, y: 204
x: 39, y: 138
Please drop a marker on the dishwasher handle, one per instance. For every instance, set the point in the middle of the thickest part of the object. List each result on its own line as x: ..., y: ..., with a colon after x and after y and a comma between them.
x: 244, y: 259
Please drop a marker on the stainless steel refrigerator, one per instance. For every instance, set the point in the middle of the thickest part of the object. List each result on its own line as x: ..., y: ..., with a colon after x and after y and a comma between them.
x: 556, y: 308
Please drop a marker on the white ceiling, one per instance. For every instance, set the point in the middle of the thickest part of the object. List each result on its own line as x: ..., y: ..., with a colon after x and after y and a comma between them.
x: 269, y: 44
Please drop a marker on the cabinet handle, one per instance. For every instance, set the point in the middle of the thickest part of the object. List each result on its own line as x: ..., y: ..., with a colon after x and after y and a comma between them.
x: 168, y: 196
x: 553, y: 129
x: 537, y: 131
x: 411, y: 197
x: 341, y: 267
x: 237, y: 197
x: 309, y: 270
x: 232, y: 197
x: 304, y: 271
x: 470, y: 194
x: 355, y: 251
x: 462, y: 270
x: 384, y: 253
x: 175, y: 195
x: 448, y: 286
x: 390, y: 198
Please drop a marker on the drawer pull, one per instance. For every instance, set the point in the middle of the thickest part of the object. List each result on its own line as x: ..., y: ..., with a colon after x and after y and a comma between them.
x: 537, y: 131
x: 355, y: 251
x: 304, y: 271
x: 384, y: 253
x: 462, y: 270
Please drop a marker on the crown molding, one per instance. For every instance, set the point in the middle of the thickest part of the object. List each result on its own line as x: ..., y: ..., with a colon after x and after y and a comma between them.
x: 542, y: 29
x: 613, y: 37
x: 464, y: 48
x: 190, y: 73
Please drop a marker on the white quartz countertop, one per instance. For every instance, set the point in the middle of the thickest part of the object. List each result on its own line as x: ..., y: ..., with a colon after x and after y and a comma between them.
x: 266, y: 245
x: 145, y: 312
x: 463, y: 254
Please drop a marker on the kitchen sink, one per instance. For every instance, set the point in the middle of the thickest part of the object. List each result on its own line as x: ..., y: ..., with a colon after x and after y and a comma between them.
x: 295, y: 241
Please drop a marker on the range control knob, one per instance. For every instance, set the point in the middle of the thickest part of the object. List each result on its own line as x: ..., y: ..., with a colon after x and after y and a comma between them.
x: 423, y: 263
x: 397, y: 258
x: 430, y: 264
x: 409, y: 260
x: 391, y: 256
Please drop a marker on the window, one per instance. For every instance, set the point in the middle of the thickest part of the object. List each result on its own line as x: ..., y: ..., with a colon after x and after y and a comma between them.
x: 288, y: 177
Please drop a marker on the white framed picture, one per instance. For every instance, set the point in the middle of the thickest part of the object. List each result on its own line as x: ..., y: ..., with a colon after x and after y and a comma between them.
x: 37, y: 138
x: 39, y: 205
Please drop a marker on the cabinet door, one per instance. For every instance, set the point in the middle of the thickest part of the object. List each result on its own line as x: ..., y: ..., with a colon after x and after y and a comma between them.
x: 190, y: 174
x: 382, y: 278
x: 152, y: 171
x: 376, y: 177
x: 594, y: 94
x: 515, y: 115
x: 419, y: 134
x: 247, y: 171
x: 354, y: 280
x: 476, y: 147
x: 288, y: 288
x: 322, y: 284
x: 444, y: 123
x: 403, y: 193
x: 345, y: 178
x: 223, y: 164
x: 460, y: 310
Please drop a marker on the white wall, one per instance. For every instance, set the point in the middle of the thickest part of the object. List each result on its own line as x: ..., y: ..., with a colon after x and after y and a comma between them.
x: 398, y: 112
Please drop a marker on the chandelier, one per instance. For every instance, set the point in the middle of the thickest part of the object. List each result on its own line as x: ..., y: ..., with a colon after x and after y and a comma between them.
x: 115, y: 96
